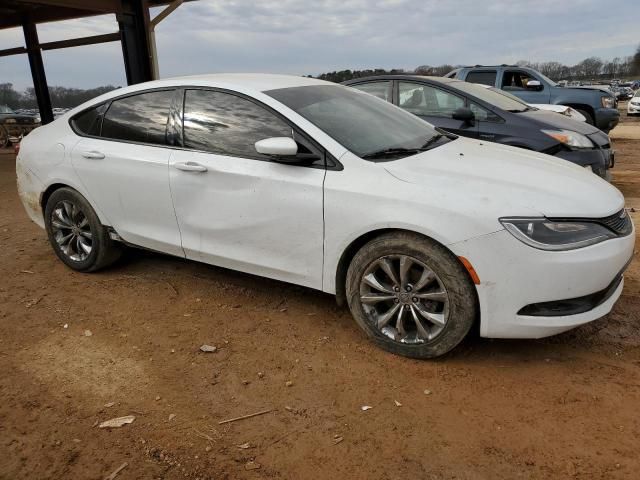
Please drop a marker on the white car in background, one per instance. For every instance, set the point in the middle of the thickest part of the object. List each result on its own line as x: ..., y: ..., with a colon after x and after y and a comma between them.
x: 633, y: 107
x: 420, y: 232
x: 561, y: 109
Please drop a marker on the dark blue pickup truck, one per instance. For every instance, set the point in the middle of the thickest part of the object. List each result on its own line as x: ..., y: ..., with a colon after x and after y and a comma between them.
x: 598, y: 105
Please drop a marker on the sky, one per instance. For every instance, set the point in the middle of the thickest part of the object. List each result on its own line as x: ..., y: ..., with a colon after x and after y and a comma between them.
x: 303, y: 37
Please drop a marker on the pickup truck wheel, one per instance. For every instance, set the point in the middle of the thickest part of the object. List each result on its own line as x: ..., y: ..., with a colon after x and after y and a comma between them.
x: 411, y: 295
x: 587, y: 115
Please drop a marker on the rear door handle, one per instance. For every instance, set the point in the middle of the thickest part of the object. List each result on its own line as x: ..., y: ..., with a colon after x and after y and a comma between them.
x: 93, y: 154
x: 190, y: 167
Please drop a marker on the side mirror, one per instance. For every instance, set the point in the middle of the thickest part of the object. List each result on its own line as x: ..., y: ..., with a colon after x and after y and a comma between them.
x: 465, y: 114
x: 277, y: 146
x: 534, y: 85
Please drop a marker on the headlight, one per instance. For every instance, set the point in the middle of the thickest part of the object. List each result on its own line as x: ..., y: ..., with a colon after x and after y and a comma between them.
x: 547, y: 234
x: 607, y: 102
x: 569, y: 138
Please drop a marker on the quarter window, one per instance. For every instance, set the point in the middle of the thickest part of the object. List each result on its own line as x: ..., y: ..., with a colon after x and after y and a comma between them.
x: 428, y: 101
x: 227, y: 124
x: 88, y: 122
x: 482, y: 114
x: 377, y: 89
x: 485, y: 77
x: 139, y: 118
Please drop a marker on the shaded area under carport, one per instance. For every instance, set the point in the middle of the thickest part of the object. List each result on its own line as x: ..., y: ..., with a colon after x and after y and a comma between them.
x: 135, y: 33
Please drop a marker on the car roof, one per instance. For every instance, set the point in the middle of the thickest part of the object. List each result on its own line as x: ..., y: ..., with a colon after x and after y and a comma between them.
x: 402, y: 77
x: 256, y: 82
x: 248, y: 83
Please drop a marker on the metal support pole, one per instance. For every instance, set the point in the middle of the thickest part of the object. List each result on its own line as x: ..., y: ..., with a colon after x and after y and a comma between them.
x: 37, y: 71
x: 152, y: 35
x: 134, y: 25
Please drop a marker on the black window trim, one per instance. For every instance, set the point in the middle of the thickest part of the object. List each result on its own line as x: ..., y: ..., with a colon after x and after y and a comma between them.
x: 330, y: 162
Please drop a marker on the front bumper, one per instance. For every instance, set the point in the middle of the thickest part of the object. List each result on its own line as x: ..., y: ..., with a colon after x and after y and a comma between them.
x: 606, y: 118
x: 514, y: 276
x: 633, y: 109
x: 599, y: 159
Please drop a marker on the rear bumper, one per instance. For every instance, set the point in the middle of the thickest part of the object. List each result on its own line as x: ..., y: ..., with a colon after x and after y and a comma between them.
x: 606, y: 118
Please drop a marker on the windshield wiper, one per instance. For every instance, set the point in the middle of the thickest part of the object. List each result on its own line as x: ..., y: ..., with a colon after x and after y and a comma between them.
x: 388, y: 152
x: 431, y: 141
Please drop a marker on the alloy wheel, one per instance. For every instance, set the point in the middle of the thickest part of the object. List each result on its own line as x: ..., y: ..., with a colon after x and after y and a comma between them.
x: 71, y: 230
x: 404, y: 299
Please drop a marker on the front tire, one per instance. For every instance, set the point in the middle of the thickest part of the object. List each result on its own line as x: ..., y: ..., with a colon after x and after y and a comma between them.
x: 411, y: 295
x: 76, y: 234
x: 588, y: 117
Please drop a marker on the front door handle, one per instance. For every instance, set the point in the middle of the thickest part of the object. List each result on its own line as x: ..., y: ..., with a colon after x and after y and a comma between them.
x: 93, y: 155
x: 190, y: 167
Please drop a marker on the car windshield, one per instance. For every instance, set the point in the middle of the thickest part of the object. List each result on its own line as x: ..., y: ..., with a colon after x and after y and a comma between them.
x: 366, y: 125
x: 5, y: 109
x: 508, y: 103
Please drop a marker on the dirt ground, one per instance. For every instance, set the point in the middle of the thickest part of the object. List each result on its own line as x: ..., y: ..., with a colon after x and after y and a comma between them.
x: 79, y: 349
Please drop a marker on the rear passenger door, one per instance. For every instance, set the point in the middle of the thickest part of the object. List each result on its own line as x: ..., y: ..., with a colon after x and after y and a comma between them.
x: 435, y: 105
x: 122, y: 160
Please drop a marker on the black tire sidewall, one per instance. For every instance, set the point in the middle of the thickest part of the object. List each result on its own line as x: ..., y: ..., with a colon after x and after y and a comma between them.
x: 462, y: 295
x: 100, y: 238
x: 589, y: 118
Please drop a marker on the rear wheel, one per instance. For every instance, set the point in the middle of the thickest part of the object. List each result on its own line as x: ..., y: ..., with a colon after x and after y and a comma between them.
x: 76, y: 234
x: 411, y: 295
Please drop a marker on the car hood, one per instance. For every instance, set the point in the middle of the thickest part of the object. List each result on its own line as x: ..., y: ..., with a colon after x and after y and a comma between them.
x: 507, y: 181
x: 548, y: 119
x: 590, y: 87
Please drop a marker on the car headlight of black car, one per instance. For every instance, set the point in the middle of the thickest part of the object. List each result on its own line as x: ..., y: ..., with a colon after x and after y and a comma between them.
x: 569, y: 138
x: 546, y: 234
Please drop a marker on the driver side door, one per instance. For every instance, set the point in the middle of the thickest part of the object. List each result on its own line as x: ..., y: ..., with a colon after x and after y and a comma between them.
x: 240, y: 209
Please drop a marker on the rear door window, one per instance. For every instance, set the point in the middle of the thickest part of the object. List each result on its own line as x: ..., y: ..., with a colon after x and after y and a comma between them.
x: 139, y: 118
x: 485, y: 77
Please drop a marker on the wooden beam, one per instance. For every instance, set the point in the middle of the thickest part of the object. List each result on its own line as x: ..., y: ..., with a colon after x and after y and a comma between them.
x: 12, y: 51
x: 104, y: 6
x: 78, y: 42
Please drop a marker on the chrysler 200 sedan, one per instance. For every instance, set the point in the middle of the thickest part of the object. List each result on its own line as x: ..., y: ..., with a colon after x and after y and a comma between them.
x: 420, y: 232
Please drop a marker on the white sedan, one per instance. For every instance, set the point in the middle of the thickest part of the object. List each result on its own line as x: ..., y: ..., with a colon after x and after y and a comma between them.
x: 422, y: 233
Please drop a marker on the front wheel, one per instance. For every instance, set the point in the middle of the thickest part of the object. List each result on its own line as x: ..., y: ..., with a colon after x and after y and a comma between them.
x: 76, y: 234
x: 588, y: 117
x: 411, y: 295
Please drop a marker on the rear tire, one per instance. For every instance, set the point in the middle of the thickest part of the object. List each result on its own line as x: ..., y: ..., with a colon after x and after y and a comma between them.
x: 76, y: 234
x: 411, y: 295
